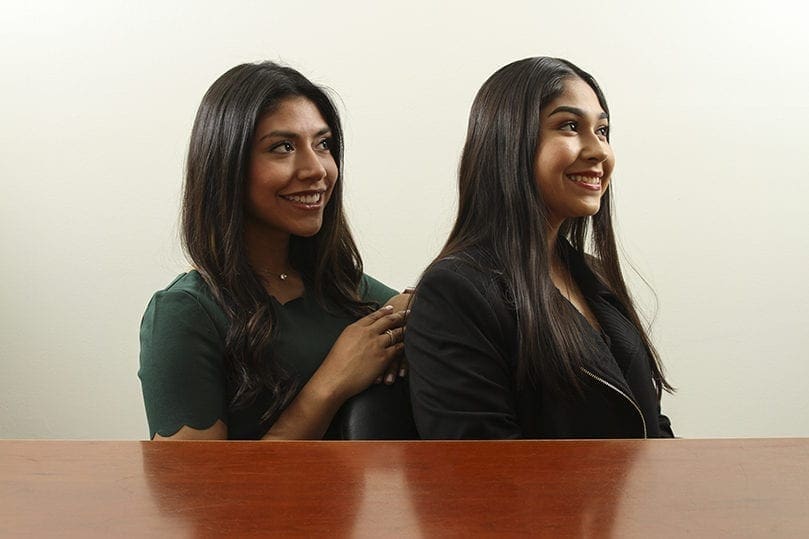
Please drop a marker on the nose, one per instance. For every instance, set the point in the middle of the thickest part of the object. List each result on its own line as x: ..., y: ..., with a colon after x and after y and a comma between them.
x: 310, y: 166
x: 595, y: 149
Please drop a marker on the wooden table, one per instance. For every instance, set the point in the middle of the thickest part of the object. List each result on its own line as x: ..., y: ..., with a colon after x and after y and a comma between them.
x: 643, y: 488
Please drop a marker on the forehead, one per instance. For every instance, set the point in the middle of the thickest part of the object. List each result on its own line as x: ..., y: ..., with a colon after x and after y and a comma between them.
x: 296, y: 114
x: 576, y: 93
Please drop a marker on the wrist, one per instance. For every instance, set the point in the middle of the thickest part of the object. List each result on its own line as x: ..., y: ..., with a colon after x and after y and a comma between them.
x: 309, y: 415
x: 325, y: 391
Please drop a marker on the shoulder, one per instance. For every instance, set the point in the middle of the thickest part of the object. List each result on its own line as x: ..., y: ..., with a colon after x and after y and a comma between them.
x: 187, y: 299
x: 182, y: 368
x: 464, y: 285
x: 182, y: 338
x: 468, y: 271
x: 374, y: 291
x: 189, y: 283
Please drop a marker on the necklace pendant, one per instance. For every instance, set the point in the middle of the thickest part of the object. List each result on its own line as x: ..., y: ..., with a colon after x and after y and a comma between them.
x: 283, y: 276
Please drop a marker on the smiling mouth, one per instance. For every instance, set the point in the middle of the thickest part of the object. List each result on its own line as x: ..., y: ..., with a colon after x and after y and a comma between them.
x: 308, y: 199
x: 589, y: 180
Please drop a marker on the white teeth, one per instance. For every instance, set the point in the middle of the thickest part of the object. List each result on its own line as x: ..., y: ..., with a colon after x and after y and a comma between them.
x: 305, y: 199
x: 592, y: 180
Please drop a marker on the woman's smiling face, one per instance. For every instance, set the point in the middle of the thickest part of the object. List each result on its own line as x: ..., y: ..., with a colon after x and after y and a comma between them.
x: 574, y: 161
x: 292, y: 172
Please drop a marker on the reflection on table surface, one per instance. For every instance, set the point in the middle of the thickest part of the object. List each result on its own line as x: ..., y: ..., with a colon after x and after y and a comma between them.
x: 581, y: 488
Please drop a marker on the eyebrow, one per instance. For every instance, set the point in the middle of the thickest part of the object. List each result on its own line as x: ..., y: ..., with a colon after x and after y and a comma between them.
x: 291, y: 134
x: 577, y: 111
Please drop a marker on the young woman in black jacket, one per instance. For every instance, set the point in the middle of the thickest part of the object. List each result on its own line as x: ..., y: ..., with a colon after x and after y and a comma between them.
x: 523, y: 326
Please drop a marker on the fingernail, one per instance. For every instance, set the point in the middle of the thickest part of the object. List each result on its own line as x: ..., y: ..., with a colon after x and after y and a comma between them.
x: 390, y: 378
x: 387, y: 308
x: 378, y: 380
x: 402, y: 373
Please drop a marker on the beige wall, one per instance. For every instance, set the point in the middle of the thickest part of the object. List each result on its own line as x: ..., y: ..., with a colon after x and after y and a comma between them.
x: 710, y: 127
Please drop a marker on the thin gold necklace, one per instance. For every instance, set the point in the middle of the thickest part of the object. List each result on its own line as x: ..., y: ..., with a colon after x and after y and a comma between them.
x: 269, y: 273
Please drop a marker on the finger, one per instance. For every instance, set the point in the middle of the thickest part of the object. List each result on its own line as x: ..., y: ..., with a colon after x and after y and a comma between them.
x: 377, y: 315
x: 396, y: 351
x: 394, y: 354
x: 397, y: 335
x: 390, y: 321
x: 403, y: 367
x: 386, y: 339
x: 399, y: 301
x: 390, y: 372
x: 390, y: 338
x: 396, y: 346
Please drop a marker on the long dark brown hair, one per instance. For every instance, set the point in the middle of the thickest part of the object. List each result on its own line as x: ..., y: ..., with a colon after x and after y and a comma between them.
x: 213, y: 220
x: 502, y: 213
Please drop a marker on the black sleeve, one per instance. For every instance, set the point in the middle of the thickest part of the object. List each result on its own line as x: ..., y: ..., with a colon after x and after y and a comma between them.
x: 461, y: 376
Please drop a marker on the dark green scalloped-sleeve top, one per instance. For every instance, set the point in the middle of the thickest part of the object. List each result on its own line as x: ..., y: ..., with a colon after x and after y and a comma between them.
x: 182, y: 342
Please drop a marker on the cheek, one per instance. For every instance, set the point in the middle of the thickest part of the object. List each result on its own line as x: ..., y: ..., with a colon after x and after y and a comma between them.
x: 332, y: 173
x: 550, y: 164
x: 556, y: 156
x: 609, y: 162
x: 267, y: 174
x: 609, y: 167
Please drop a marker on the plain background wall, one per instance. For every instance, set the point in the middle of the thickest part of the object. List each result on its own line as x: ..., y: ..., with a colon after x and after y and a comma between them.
x: 710, y: 124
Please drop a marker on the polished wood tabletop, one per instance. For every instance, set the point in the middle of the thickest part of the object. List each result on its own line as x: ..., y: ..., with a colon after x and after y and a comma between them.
x: 642, y: 488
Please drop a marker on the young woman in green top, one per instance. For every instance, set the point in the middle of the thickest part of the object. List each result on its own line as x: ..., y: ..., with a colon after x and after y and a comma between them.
x: 277, y: 326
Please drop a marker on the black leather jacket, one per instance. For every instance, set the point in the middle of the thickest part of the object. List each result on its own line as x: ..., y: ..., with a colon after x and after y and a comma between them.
x: 461, y: 344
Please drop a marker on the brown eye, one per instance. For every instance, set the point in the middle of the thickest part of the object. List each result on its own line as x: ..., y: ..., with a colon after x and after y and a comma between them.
x: 283, y: 147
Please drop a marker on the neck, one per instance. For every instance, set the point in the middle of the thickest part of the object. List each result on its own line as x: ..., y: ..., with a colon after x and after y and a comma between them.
x: 267, y: 250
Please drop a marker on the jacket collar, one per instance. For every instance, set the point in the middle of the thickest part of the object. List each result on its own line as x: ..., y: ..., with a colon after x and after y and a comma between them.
x: 603, y: 362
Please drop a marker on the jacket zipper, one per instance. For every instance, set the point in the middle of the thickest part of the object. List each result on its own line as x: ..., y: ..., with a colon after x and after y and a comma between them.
x: 624, y: 395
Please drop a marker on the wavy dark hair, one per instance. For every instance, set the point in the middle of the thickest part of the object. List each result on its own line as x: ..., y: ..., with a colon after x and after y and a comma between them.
x: 501, y: 211
x: 213, y: 220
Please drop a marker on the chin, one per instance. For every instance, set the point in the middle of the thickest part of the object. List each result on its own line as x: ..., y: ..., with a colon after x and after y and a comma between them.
x: 306, y: 235
x: 590, y: 210
x: 307, y: 232
x: 580, y: 214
